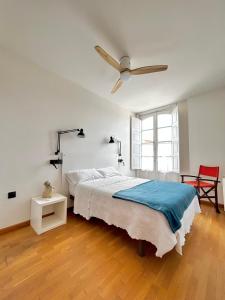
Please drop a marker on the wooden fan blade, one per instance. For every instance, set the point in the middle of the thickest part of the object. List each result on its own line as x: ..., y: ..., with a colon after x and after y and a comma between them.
x: 149, y: 69
x: 108, y: 58
x: 117, y: 86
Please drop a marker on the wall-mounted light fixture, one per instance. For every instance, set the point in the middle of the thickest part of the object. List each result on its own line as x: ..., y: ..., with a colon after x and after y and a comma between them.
x: 59, y: 161
x: 112, y: 140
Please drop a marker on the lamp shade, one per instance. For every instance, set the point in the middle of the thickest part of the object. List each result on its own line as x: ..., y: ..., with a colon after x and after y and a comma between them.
x: 111, y: 140
x: 81, y: 133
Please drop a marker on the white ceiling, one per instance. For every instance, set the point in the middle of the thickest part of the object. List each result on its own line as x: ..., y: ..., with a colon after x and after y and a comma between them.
x: 60, y: 36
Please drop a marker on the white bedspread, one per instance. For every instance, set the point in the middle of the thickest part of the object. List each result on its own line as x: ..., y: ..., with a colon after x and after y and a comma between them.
x: 94, y: 199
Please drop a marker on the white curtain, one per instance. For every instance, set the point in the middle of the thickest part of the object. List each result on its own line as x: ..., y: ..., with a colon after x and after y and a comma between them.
x: 135, y: 143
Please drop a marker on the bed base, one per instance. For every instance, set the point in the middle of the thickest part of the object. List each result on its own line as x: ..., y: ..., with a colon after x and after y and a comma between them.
x: 141, y: 248
x: 141, y: 243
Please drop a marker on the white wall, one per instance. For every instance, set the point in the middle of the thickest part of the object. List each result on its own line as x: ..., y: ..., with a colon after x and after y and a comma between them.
x: 183, y: 137
x: 34, y: 104
x: 206, y: 122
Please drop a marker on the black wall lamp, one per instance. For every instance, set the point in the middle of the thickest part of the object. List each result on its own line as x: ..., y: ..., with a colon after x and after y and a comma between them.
x: 59, y: 161
x: 113, y: 140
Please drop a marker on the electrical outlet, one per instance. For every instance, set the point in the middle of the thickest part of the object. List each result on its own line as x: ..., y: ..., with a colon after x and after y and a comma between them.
x: 11, y: 195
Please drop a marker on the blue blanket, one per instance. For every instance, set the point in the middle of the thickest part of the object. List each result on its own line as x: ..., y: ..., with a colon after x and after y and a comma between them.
x: 169, y: 198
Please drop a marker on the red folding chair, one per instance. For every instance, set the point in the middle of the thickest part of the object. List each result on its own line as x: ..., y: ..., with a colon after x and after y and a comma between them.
x: 206, y: 187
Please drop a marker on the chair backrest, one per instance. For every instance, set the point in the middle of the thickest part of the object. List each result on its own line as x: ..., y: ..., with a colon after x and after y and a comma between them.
x: 209, y: 171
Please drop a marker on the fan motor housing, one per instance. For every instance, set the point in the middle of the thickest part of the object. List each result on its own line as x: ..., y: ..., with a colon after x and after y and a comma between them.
x: 125, y: 62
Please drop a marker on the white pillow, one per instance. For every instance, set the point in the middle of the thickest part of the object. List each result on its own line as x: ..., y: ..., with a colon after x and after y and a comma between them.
x: 108, y: 172
x: 77, y: 176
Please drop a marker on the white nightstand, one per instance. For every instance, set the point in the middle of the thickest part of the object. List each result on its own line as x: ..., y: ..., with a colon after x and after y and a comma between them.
x: 40, y: 224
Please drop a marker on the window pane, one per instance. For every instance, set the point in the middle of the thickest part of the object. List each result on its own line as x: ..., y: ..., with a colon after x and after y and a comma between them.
x: 164, y: 149
x: 165, y: 134
x: 176, y: 163
x: 147, y: 150
x: 147, y: 163
x: 165, y: 164
x: 147, y: 136
x: 147, y: 123
x: 164, y: 120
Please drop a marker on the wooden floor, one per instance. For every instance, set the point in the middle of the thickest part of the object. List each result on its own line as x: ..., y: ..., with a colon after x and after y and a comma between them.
x: 90, y: 260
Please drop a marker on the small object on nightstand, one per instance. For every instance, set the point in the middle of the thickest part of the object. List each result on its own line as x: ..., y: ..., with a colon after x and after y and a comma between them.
x: 42, y: 224
x: 48, y: 190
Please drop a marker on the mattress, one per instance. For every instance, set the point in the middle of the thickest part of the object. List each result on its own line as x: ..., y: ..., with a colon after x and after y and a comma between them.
x: 94, y: 199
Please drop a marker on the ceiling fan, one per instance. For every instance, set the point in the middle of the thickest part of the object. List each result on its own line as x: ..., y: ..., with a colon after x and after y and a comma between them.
x: 124, y: 67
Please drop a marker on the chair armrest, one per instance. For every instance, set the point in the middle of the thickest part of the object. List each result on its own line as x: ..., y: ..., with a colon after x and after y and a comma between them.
x: 212, y: 180
x: 183, y: 175
x: 192, y: 176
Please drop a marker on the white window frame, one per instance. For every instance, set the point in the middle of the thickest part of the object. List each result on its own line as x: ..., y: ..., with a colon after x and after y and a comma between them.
x: 135, y: 143
x: 173, y: 109
x: 153, y: 142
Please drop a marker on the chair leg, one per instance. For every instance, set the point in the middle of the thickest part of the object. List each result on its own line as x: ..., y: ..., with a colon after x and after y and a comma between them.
x: 216, y: 202
x: 198, y: 195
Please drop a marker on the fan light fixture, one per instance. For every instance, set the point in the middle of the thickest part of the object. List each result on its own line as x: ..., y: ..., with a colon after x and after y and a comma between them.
x: 125, y: 76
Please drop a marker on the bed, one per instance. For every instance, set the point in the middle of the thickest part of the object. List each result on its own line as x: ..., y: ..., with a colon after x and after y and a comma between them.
x: 93, y: 198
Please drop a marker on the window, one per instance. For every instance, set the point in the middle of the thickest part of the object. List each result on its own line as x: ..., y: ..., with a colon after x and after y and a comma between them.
x: 164, y: 142
x: 159, y: 142
x: 147, y: 143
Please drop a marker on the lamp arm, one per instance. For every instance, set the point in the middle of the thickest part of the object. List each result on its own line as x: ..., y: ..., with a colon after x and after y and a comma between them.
x: 58, y: 144
x: 120, y: 148
x: 59, y: 138
x: 67, y: 131
x: 59, y: 161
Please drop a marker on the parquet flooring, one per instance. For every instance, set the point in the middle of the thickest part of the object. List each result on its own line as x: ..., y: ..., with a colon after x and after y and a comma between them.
x: 91, y: 260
